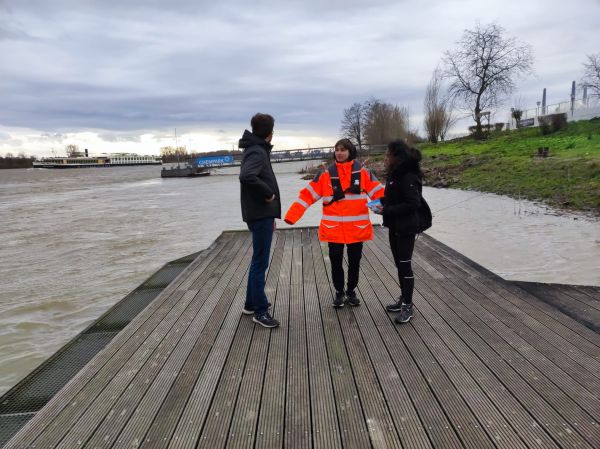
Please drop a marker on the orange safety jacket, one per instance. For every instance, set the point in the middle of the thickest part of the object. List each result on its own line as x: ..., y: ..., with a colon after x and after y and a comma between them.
x: 345, y: 220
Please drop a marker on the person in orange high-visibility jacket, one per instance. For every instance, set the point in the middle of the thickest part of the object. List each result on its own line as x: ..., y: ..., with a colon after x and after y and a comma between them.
x: 344, y: 188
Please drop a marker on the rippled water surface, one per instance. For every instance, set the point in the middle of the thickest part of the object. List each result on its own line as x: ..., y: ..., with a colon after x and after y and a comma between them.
x: 76, y: 241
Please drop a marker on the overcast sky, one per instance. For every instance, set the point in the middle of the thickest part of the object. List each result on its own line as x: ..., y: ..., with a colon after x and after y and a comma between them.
x: 121, y: 75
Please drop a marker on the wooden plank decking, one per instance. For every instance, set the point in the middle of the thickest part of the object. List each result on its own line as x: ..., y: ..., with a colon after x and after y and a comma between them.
x: 484, y: 363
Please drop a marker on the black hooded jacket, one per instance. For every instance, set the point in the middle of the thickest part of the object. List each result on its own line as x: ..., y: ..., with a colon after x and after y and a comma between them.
x: 257, y: 180
x: 402, y: 198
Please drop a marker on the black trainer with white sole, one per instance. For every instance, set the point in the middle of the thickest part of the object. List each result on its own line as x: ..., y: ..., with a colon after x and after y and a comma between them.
x: 406, y: 313
x: 395, y: 307
x: 353, y: 300
x: 251, y: 311
x: 265, y: 320
x: 338, y: 300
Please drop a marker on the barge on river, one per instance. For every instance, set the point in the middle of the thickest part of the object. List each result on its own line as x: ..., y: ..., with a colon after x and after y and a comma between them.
x: 112, y: 160
x: 187, y: 171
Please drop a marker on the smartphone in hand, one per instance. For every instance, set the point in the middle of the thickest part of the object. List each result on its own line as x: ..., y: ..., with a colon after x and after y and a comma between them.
x: 375, y: 206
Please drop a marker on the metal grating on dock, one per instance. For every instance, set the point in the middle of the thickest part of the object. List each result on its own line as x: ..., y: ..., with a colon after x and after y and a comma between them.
x: 24, y: 400
x: 484, y: 363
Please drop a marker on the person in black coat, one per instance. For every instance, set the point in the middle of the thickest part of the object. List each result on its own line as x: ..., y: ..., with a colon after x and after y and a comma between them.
x: 261, y: 205
x: 258, y: 185
x: 401, y: 203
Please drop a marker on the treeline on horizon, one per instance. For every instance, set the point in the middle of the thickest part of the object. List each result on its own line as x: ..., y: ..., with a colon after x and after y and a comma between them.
x: 168, y: 155
x: 20, y: 161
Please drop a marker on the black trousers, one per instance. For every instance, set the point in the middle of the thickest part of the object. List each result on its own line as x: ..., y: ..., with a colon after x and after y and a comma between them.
x: 402, y: 250
x: 336, y: 256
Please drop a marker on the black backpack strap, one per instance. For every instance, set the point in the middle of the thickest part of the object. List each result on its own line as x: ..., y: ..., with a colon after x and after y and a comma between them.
x: 355, y: 186
x: 338, y: 193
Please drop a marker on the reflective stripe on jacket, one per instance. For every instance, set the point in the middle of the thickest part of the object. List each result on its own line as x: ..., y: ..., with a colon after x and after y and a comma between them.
x: 343, y: 221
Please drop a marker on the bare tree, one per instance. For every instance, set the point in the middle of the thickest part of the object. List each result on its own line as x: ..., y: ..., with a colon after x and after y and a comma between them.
x: 483, y: 68
x: 439, y: 116
x: 591, y: 74
x: 385, y: 122
x: 353, y: 123
x: 173, y: 154
x: 173, y: 151
x: 516, y: 111
x: 71, y: 150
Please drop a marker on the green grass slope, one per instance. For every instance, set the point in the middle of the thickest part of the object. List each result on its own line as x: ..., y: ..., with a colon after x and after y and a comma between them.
x: 508, y: 163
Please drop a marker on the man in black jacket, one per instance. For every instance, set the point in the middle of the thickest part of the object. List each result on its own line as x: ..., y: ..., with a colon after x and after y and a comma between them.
x: 260, y: 206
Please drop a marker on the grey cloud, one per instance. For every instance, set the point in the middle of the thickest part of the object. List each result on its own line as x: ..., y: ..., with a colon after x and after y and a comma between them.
x: 119, y: 137
x: 197, y: 6
x: 58, y: 137
x: 12, y: 33
x: 141, y: 66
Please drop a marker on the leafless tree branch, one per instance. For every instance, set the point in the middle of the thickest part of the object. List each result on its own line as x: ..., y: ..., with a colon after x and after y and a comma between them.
x: 591, y: 74
x: 354, y: 122
x: 483, y: 68
x: 439, y: 116
x: 385, y: 122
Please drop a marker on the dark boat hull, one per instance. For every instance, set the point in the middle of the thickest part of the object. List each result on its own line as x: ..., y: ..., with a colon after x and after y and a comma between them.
x: 183, y: 172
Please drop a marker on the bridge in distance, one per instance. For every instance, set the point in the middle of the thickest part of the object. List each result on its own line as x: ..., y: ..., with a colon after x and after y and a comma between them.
x: 280, y: 156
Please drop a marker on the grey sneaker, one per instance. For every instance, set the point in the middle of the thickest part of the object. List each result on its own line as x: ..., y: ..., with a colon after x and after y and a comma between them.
x: 395, y: 307
x: 406, y: 313
x: 352, y: 298
x: 265, y: 320
x: 249, y: 311
x: 338, y: 301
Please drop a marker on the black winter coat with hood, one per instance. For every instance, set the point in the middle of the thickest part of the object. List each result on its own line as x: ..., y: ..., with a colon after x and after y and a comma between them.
x: 257, y: 180
x: 402, y: 198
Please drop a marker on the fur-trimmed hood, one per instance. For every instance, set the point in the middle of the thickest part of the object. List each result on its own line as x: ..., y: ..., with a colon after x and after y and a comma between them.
x: 407, y: 166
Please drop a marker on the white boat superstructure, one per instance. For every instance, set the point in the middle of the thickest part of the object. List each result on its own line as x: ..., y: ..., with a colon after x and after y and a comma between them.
x: 109, y: 160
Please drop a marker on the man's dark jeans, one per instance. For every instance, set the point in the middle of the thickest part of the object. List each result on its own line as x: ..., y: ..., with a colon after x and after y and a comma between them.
x: 262, y: 235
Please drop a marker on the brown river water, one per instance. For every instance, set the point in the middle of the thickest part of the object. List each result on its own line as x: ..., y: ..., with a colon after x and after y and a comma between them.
x: 74, y: 242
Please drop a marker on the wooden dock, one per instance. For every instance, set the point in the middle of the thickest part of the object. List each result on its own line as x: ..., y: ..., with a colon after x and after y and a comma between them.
x: 484, y: 364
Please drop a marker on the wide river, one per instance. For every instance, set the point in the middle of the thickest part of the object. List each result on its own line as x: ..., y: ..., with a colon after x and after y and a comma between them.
x: 76, y: 241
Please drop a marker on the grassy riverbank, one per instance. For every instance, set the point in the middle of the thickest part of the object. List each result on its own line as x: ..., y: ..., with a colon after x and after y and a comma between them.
x: 508, y: 163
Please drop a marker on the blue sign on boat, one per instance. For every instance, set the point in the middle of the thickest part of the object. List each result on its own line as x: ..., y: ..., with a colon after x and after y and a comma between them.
x: 214, y: 160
